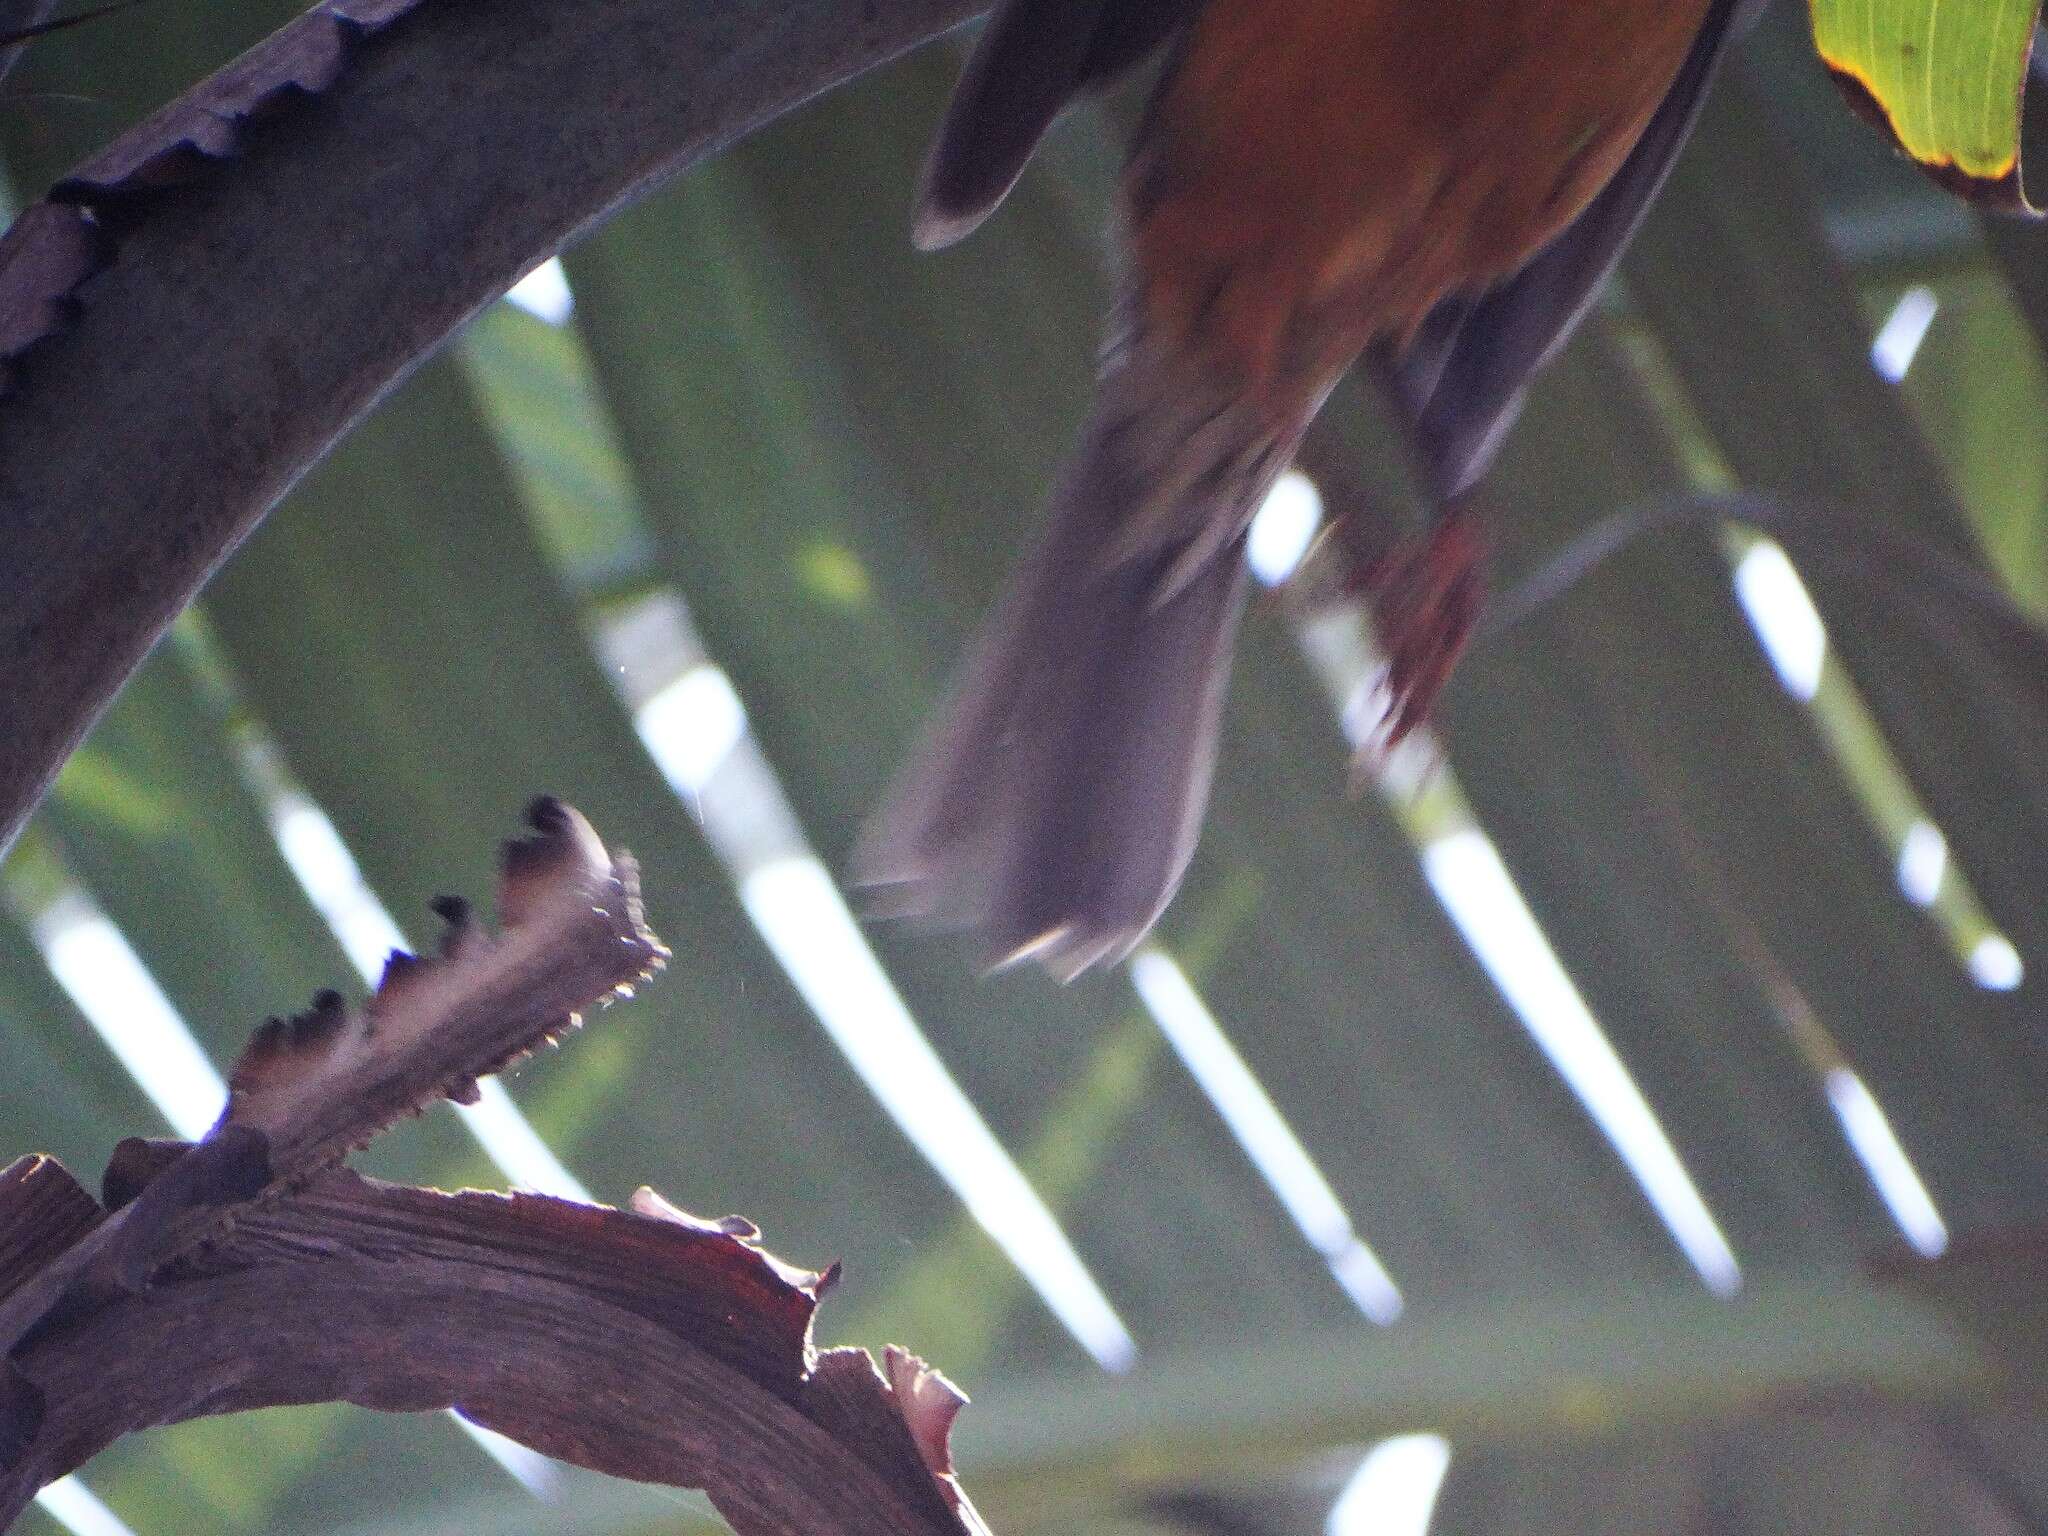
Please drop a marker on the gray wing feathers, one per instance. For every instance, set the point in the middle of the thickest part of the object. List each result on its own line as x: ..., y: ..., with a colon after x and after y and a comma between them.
x: 1031, y: 60
x: 1055, y: 805
x: 1463, y: 379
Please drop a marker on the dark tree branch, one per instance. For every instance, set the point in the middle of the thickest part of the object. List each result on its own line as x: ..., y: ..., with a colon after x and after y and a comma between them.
x: 309, y: 1089
x: 236, y: 322
x: 249, y: 1270
x: 640, y: 1345
x: 20, y: 19
x: 1945, y: 588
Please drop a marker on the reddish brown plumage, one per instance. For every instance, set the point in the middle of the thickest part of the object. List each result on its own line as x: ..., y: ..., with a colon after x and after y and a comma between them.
x: 1317, y: 174
x: 1313, y: 176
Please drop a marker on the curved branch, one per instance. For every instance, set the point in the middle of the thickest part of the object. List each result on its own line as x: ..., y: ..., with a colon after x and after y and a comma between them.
x: 234, y: 325
x: 642, y: 1344
x: 1909, y: 570
x: 247, y: 1270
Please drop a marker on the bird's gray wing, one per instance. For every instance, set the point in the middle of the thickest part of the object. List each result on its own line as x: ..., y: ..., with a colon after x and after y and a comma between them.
x: 1462, y: 379
x: 1031, y: 60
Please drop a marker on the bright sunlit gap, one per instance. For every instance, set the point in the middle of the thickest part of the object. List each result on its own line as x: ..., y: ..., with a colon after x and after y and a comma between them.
x: 515, y: 1148
x: 1284, y: 527
x: 1393, y: 1492
x: 1923, y: 861
x: 1795, y: 638
x: 800, y: 914
x: 544, y: 293
x: 1783, y: 616
x: 1995, y: 964
x: 537, y: 1474
x: 79, y: 1510
x: 1891, y: 1171
x: 691, y: 726
x: 95, y: 965
x: 327, y: 873
x: 333, y: 882
x: 1263, y: 1132
x: 694, y: 726
x: 1899, y: 338
x: 1475, y: 888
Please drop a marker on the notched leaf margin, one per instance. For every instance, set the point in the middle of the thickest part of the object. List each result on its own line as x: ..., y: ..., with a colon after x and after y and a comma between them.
x: 55, y: 246
x: 249, y: 1270
x: 308, y: 1090
x: 572, y: 934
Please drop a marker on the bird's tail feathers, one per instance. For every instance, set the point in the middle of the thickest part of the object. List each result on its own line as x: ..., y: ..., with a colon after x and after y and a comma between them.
x: 1055, y: 804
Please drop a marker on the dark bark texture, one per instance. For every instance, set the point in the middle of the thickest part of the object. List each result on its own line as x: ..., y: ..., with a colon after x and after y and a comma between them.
x: 194, y: 318
x: 251, y: 1270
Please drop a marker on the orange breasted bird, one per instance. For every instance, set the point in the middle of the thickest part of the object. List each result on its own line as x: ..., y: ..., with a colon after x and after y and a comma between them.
x: 1444, y: 182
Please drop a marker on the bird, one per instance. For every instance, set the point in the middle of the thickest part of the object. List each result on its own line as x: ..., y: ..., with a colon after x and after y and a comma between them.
x: 1443, y: 184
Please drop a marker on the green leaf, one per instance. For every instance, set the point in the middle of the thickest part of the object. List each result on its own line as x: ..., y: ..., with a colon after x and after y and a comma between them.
x: 1943, y: 78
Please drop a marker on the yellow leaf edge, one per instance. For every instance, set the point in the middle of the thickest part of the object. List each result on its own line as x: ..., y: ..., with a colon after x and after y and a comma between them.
x: 2001, y: 188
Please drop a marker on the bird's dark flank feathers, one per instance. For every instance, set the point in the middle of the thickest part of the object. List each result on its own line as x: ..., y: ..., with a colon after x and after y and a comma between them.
x: 1460, y: 386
